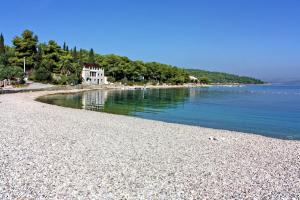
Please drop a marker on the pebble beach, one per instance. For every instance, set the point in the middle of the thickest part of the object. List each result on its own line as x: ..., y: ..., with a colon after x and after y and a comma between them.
x: 52, y: 152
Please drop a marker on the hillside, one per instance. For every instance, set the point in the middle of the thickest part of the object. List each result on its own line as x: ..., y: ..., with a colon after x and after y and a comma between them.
x: 220, y: 77
x: 51, y: 63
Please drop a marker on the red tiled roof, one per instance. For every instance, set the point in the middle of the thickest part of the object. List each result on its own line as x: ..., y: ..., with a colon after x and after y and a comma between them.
x: 89, y: 65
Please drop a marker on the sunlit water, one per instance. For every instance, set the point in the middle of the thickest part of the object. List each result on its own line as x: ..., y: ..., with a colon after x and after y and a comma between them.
x: 270, y: 110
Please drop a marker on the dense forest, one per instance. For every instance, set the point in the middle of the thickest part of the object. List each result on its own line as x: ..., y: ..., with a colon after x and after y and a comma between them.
x: 52, y: 63
x: 222, y: 78
x: 49, y: 62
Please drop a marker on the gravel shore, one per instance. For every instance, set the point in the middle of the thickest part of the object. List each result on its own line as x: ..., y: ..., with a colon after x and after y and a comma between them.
x: 51, y: 152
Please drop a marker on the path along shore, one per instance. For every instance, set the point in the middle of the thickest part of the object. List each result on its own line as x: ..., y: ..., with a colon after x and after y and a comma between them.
x: 51, y: 152
x: 34, y: 87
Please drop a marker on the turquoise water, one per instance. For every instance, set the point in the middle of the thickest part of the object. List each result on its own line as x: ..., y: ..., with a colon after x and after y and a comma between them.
x: 269, y: 110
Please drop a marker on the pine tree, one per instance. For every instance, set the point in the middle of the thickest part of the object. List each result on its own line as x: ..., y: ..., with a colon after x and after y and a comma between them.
x: 74, y: 54
x: 2, y: 46
x: 67, y: 48
x: 91, y: 56
x: 64, y: 46
x: 25, y: 46
x: 80, y: 57
x: 52, y: 53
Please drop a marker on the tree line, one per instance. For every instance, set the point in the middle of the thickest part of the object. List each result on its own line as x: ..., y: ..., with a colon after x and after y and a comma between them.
x: 49, y: 62
x: 222, y: 78
x: 52, y: 63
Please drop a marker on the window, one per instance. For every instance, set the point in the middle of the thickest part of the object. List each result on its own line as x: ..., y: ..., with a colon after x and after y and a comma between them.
x: 93, y: 74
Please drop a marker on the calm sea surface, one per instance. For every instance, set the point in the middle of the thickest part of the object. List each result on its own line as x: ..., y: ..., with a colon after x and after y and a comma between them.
x: 270, y: 110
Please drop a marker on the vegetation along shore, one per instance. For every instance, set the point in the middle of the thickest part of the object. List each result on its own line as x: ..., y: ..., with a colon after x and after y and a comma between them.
x: 51, y: 63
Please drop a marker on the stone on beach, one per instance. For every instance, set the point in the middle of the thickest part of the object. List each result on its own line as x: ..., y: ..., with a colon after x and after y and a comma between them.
x: 51, y: 152
x: 212, y: 138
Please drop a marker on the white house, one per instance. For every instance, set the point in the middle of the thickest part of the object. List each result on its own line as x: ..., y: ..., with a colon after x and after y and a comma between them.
x: 93, y: 74
x: 193, y: 78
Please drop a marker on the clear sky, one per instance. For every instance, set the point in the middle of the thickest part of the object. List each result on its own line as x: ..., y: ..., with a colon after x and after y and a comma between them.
x: 259, y: 38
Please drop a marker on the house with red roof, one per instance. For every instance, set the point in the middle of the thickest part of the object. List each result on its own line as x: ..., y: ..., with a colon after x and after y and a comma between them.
x: 93, y: 74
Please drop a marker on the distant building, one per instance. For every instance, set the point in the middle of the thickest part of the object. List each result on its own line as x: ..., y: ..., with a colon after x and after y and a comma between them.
x: 93, y: 74
x: 193, y: 78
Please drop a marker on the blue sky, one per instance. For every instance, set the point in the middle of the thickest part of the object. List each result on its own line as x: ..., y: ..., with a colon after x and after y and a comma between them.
x: 259, y: 38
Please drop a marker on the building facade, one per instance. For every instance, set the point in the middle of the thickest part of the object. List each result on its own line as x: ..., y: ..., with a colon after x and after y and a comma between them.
x: 93, y: 74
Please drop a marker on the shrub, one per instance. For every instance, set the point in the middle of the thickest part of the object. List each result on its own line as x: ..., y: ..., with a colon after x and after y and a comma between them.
x: 41, y: 74
x: 111, y: 79
x: 204, y: 80
x: 11, y: 72
x: 63, y: 80
x: 72, y: 79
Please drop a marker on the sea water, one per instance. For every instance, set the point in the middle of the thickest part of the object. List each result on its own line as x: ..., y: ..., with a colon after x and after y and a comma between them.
x: 270, y: 110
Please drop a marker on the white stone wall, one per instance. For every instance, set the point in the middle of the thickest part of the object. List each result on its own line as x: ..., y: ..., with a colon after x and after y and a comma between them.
x: 4, y: 83
x: 94, y: 76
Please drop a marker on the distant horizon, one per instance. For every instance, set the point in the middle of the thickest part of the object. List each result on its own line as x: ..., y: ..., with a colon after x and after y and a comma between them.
x: 243, y: 38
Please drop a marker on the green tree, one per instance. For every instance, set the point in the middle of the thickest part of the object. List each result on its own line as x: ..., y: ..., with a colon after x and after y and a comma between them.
x: 11, y: 72
x: 2, y: 46
x: 8, y: 55
x: 91, y: 58
x: 136, y: 71
x: 64, y: 46
x: 52, y: 54
x: 25, y: 47
x: 65, y: 64
x: 38, y: 56
x: 77, y: 69
x: 74, y: 54
x: 204, y: 80
x: 3, y: 55
x: 152, y: 71
x: 42, y: 74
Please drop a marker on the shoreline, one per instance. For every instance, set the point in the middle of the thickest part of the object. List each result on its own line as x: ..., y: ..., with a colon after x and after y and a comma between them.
x: 61, y: 92
x: 34, y: 95
x: 57, y: 152
x: 48, y: 87
x: 83, y: 86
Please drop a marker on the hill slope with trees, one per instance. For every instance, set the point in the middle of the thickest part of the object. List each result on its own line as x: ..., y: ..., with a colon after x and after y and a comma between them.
x: 222, y: 78
x: 49, y: 62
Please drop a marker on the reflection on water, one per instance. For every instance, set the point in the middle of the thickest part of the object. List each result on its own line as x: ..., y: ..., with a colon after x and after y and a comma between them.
x: 94, y: 100
x: 146, y: 101
x: 126, y: 102
x: 268, y: 110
